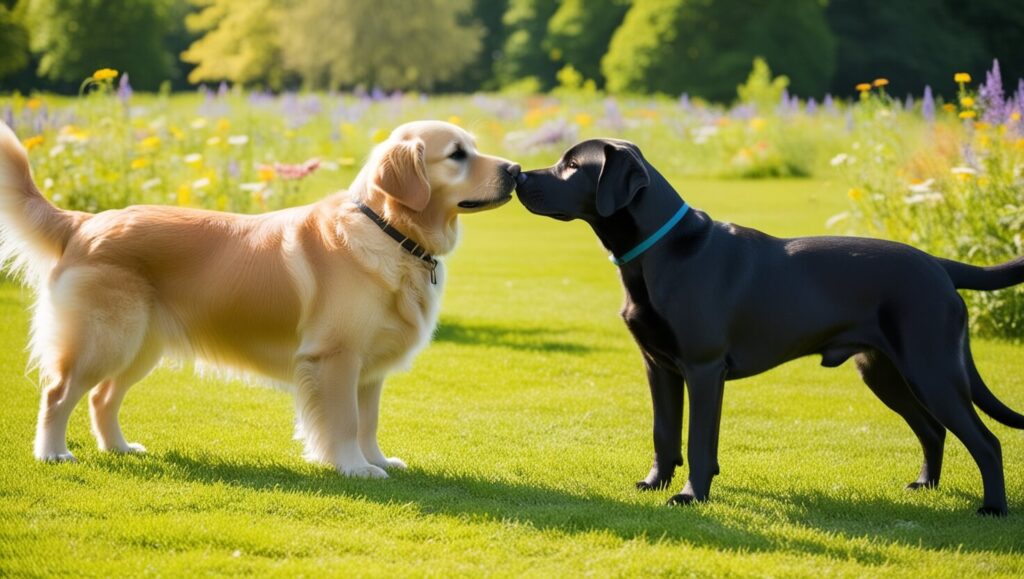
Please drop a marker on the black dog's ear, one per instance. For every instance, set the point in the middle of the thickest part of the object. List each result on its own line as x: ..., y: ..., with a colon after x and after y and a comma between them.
x: 622, y: 175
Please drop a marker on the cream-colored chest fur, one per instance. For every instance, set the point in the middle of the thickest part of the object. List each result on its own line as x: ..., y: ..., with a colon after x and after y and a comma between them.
x: 364, y: 294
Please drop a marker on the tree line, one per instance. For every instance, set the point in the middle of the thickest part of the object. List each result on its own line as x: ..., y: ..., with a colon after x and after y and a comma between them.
x: 700, y: 47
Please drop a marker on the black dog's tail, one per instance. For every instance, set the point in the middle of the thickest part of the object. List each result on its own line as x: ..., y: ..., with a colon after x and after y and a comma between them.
x: 971, y: 277
x: 992, y: 406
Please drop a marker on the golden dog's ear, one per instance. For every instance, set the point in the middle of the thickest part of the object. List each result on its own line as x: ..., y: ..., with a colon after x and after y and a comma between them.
x: 401, y: 173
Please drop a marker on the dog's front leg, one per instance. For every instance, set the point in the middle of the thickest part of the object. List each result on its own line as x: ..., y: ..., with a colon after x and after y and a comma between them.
x: 704, y: 388
x: 369, y: 412
x: 667, y: 397
x: 328, y: 407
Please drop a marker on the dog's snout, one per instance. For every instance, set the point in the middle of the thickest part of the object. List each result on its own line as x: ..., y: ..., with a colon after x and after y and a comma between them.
x: 514, y: 170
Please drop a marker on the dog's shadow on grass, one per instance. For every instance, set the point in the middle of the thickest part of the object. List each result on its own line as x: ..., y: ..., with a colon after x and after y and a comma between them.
x: 856, y: 529
x: 524, y: 338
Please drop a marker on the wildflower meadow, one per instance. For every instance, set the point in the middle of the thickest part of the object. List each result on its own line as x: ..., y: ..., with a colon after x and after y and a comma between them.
x: 527, y: 421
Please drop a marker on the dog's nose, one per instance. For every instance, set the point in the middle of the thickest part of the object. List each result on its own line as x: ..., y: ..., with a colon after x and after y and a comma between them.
x: 515, y: 170
x: 520, y: 178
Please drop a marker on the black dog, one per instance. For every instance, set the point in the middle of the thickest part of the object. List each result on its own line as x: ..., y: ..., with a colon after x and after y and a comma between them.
x: 710, y: 301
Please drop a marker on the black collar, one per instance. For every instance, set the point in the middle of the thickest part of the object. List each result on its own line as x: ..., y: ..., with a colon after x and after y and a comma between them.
x: 403, y: 240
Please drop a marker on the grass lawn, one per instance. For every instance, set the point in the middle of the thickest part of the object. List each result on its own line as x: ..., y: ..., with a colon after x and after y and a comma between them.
x: 525, y: 426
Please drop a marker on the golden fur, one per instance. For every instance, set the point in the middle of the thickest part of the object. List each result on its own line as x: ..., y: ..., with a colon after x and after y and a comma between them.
x: 316, y: 296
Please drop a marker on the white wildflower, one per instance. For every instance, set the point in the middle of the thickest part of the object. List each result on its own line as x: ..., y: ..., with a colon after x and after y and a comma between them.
x: 837, y: 218
x: 150, y: 183
x: 963, y: 171
x: 238, y: 140
x: 922, y: 198
x: 840, y: 159
x: 923, y: 187
x: 201, y: 183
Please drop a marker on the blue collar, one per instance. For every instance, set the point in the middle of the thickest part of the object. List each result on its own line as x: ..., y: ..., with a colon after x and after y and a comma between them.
x: 647, y: 243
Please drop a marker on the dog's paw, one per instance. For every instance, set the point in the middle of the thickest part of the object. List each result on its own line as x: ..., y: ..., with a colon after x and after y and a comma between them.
x: 993, y: 512
x: 918, y: 485
x: 652, y: 485
x: 128, y: 448
x: 684, y: 498
x: 394, y: 463
x: 363, y: 471
x: 55, y: 457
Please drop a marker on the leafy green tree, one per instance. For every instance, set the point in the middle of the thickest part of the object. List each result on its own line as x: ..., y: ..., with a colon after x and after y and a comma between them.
x: 73, y: 38
x: 705, y: 47
x: 579, y: 32
x: 398, y: 44
x: 480, y: 73
x: 13, y: 40
x: 525, y: 56
x: 762, y: 90
x: 239, y: 42
x: 910, y: 42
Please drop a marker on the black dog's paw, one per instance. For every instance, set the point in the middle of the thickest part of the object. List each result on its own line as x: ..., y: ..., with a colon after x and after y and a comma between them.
x: 993, y: 512
x: 682, y: 499
x: 918, y: 485
x: 653, y: 484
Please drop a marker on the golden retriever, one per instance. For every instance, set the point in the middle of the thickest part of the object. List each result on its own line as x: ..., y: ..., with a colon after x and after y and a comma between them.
x: 318, y: 297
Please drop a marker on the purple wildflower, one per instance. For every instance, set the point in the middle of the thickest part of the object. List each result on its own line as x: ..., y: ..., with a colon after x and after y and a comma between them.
x: 684, y: 102
x: 9, y: 116
x: 377, y: 94
x: 992, y: 96
x: 222, y: 89
x: 908, y: 103
x: 124, y: 89
x: 613, y: 114
x: 928, y: 105
x: 233, y: 169
x: 829, y: 103
x: 812, y: 106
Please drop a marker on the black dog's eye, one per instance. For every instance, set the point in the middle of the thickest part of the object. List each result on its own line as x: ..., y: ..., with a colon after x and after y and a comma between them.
x: 572, y: 164
x: 458, y: 154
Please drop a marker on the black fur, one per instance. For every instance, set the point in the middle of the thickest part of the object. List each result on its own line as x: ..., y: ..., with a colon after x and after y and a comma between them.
x: 713, y: 301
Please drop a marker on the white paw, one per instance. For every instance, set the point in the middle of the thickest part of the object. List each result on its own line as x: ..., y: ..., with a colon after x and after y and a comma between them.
x: 393, y: 462
x: 363, y: 471
x: 64, y: 456
x: 128, y: 448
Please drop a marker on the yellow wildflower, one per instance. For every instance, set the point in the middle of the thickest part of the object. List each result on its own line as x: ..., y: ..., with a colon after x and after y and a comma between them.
x: 348, y: 129
x: 855, y: 193
x: 949, y: 107
x: 267, y: 174
x: 864, y: 86
x: 455, y: 120
x: 184, y: 194
x: 140, y: 163
x: 968, y: 114
x: 177, y: 133
x: 584, y: 120
x: 104, y: 74
x: 758, y: 123
x: 33, y: 142
x: 967, y: 102
x: 151, y: 142
x: 347, y: 161
x: 33, y: 103
x: 961, y: 77
x: 983, y: 182
x: 1015, y: 116
x: 379, y: 135
x: 880, y: 82
x: 223, y: 125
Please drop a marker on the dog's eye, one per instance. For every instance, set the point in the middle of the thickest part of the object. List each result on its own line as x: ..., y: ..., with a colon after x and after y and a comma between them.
x: 458, y: 154
x: 572, y: 164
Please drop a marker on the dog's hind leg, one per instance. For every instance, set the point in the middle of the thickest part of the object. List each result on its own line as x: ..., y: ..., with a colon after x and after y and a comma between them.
x: 55, y: 408
x: 88, y: 330
x: 934, y: 365
x: 105, y: 402
x: 884, y: 379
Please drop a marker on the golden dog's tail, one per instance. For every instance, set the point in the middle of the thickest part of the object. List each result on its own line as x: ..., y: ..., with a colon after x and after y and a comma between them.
x: 33, y: 232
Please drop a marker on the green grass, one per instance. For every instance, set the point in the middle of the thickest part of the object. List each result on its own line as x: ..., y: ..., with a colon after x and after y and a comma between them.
x: 525, y: 425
